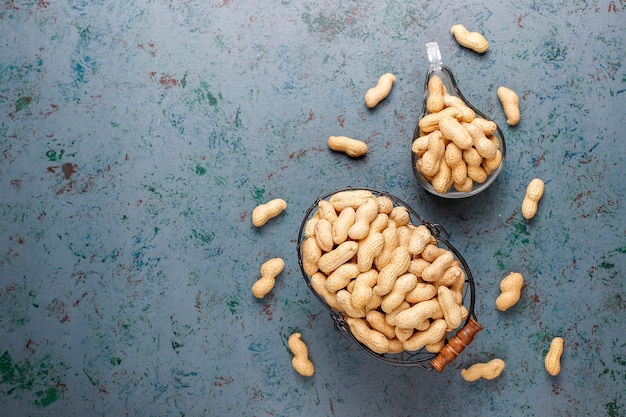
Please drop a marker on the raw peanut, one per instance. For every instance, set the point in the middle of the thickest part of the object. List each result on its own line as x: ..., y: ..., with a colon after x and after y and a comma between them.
x: 403, y: 334
x: 484, y: 146
x: 420, y: 145
x: 429, y: 163
x: 311, y: 254
x: 300, y: 362
x: 553, y: 358
x: 374, y: 302
x: 350, y: 285
x: 511, y: 287
x: 371, y: 338
x: 261, y: 214
x: 395, y: 346
x: 493, y: 163
x: 471, y: 40
x: 442, y: 181
x: 435, y: 102
x: 458, y: 287
x: 344, y: 221
x: 309, y: 228
x: 510, y: 105
x: 487, y: 126
x: 341, y: 277
x: 436, y: 269
x: 349, y: 146
x: 324, y: 235
x: 420, y: 237
x: 350, y: 198
x: 433, y: 334
x: 450, y: 276
x: 385, y: 204
x: 343, y: 298
x: 391, y: 242
x: 423, y: 325
x: 436, y: 347
x: 404, y: 235
x: 327, y: 211
x: 452, y: 130
x: 377, y: 321
x: 318, y: 283
x: 395, y: 297
x: 269, y: 270
x: 453, y: 156
x: 430, y: 122
x: 378, y: 224
x: 489, y: 370
x: 400, y: 216
x: 472, y: 157
x: 465, y: 186
x: 400, y: 260
x: 534, y: 192
x: 363, y: 217
x: 341, y: 254
x: 421, y: 292
x: 476, y: 173
x: 467, y: 114
x: 369, y: 249
x: 417, y: 266
x: 432, y: 252
x: 377, y: 94
x: 391, y: 318
x: 415, y: 315
x: 452, y: 312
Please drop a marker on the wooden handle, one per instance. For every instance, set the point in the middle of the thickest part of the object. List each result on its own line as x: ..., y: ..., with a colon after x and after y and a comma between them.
x: 456, y: 345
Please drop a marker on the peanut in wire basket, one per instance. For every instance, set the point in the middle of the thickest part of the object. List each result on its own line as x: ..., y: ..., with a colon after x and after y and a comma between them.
x: 456, y: 340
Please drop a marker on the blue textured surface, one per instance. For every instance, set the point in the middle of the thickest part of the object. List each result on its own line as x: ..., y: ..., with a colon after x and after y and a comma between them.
x: 137, y: 137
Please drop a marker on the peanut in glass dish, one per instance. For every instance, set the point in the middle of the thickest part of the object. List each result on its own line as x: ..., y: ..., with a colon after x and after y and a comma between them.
x: 457, y: 151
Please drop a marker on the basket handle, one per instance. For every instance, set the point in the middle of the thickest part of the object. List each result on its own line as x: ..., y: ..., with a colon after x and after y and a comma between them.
x: 456, y: 345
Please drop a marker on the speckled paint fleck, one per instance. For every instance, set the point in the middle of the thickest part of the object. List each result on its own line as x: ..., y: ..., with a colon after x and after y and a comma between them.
x: 136, y: 139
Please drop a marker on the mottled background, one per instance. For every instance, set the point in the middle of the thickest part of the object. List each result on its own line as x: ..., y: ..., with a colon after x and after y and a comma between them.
x: 136, y: 138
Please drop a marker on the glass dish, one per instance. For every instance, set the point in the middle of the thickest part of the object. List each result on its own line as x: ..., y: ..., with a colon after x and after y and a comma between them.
x: 437, y: 68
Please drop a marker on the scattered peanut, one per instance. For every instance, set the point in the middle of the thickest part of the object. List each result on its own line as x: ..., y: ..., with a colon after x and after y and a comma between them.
x: 377, y: 94
x: 269, y: 270
x: 300, y: 362
x: 349, y: 146
x: 510, y: 105
x: 534, y: 192
x: 553, y: 358
x: 262, y: 213
x: 489, y: 370
x: 471, y: 40
x: 511, y: 287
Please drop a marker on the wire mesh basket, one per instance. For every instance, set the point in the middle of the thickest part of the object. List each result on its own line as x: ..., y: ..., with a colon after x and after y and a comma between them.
x: 455, y: 340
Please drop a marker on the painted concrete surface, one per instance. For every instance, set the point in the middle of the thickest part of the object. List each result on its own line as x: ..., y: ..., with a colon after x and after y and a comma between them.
x: 138, y: 136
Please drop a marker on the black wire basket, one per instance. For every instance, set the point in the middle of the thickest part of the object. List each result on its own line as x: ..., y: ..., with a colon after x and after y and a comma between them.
x: 455, y: 342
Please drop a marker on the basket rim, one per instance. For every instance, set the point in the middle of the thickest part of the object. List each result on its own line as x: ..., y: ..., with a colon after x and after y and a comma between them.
x: 418, y: 358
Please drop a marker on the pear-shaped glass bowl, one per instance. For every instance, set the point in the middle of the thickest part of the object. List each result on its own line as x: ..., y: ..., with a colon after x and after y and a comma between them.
x: 421, y: 358
x: 437, y: 68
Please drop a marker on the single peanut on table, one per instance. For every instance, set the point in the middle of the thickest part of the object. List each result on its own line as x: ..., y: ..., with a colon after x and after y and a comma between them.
x: 377, y: 94
x: 510, y: 105
x: 534, y: 192
x: 553, y: 358
x: 489, y: 370
x: 269, y: 270
x: 262, y: 213
x: 471, y: 40
x: 349, y: 146
x: 300, y: 362
x: 511, y: 287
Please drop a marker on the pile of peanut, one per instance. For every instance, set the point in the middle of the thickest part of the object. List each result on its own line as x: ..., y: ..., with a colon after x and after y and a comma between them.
x: 456, y: 148
x: 397, y: 290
